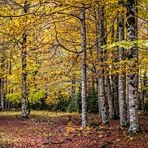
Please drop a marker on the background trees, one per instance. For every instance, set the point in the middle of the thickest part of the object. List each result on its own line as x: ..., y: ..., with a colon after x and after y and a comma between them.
x: 53, y: 53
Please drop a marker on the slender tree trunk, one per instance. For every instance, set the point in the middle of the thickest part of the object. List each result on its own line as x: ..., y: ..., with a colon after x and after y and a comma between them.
x: 97, y: 83
x: 2, y: 94
x: 110, y: 99
x: 101, y: 89
x: 115, y: 95
x: 10, y: 73
x: 143, y: 93
x: 73, y: 95
x: 78, y: 99
x: 6, y: 83
x: 24, y: 76
x: 127, y: 96
x: 133, y: 67
x: 24, y: 65
x: 107, y: 78
x: 92, y: 86
x: 3, y: 79
x: 111, y: 83
x: 114, y: 78
x: 121, y: 79
x: 84, y: 86
x: 99, y: 105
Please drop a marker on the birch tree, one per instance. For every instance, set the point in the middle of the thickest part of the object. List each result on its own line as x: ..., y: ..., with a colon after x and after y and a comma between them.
x: 121, y: 79
x: 101, y: 89
x: 84, y: 87
x: 24, y: 65
x: 133, y: 67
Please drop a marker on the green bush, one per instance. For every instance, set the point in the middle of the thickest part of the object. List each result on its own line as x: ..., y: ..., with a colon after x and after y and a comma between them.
x: 15, y: 98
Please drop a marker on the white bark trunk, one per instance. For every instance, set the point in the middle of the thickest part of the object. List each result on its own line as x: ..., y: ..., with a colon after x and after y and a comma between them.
x: 132, y: 77
x: 121, y: 79
x: 24, y: 72
x: 2, y: 94
x: 84, y: 87
x: 110, y: 99
x: 101, y: 88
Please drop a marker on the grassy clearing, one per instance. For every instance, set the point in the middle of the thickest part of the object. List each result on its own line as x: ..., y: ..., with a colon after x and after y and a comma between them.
x: 51, y: 114
x: 45, y: 114
x: 10, y: 113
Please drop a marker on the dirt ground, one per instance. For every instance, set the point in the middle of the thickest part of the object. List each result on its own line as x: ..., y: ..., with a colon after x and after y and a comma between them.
x: 63, y: 130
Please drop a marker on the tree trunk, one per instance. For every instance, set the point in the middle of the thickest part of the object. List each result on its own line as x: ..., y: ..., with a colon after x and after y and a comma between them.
x: 99, y: 106
x: 92, y: 86
x: 133, y: 67
x: 121, y: 79
x: 143, y: 93
x: 10, y: 73
x: 73, y: 96
x: 24, y: 65
x: 127, y: 96
x: 114, y: 78
x: 2, y: 87
x: 110, y: 99
x: 101, y: 89
x: 84, y: 87
x: 107, y: 79
x: 24, y: 76
x: 2, y: 94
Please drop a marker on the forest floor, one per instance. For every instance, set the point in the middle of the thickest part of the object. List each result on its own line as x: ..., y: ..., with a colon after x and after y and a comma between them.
x: 63, y: 130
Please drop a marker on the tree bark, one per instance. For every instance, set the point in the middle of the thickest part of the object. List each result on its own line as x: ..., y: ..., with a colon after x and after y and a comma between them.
x: 84, y: 83
x: 2, y: 86
x: 73, y: 96
x: 101, y: 89
x: 111, y: 83
x: 114, y: 78
x: 107, y: 78
x: 133, y: 67
x: 24, y: 65
x: 143, y: 93
x: 110, y: 99
x: 92, y: 86
x: 2, y: 94
x: 121, y: 79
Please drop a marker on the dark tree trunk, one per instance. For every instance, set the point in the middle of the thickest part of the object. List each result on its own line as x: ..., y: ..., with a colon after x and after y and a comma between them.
x: 111, y: 83
x: 2, y: 94
x: 73, y: 96
x: 133, y: 67
x: 2, y: 86
x: 114, y: 78
x: 92, y: 87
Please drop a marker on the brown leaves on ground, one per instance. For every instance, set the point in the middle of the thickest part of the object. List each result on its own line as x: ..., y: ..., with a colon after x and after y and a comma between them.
x: 62, y: 130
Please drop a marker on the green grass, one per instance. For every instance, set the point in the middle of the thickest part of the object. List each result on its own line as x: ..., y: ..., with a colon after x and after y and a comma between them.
x: 37, y: 113
x: 10, y: 113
